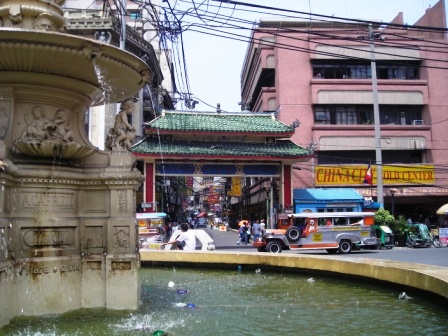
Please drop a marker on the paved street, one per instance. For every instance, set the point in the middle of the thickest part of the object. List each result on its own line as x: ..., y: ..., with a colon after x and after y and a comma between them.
x: 226, y: 241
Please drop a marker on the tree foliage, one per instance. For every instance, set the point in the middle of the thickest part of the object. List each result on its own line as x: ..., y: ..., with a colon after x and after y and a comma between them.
x: 383, y: 217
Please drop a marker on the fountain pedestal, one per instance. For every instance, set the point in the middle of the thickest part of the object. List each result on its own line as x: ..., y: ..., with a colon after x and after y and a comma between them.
x: 68, y: 236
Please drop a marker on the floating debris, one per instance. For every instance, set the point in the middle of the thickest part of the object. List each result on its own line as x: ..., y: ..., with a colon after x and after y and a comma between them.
x: 258, y: 271
x: 180, y: 304
x: 182, y: 291
x: 171, y: 284
x: 310, y: 280
x: 404, y: 296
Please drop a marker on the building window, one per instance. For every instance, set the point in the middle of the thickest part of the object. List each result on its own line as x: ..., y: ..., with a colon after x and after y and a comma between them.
x: 135, y: 15
x: 335, y: 69
x: 363, y: 114
x: 349, y: 157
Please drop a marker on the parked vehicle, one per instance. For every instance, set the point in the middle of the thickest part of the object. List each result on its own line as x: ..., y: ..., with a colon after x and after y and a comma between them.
x: 436, y: 241
x: 384, y: 235
x: 419, y: 236
x: 333, y: 231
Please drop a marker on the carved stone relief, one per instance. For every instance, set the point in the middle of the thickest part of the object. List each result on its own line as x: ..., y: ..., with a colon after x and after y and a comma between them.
x: 122, y: 201
x: 121, y: 237
x: 40, y: 238
x: 47, y: 137
x: 5, y: 115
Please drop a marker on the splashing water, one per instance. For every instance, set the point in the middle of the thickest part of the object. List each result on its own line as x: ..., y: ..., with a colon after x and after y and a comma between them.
x: 268, y: 304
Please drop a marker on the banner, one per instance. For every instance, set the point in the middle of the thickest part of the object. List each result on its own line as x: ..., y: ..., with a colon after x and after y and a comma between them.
x: 342, y: 175
x: 236, y: 187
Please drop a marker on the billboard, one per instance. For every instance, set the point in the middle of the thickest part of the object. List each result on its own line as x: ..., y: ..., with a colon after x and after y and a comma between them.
x: 344, y: 175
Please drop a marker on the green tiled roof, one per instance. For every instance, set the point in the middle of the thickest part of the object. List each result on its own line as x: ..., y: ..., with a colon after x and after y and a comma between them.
x: 260, y: 123
x: 193, y: 149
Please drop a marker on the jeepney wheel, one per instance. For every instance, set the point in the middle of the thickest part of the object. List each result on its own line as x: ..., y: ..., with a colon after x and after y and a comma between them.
x: 274, y: 247
x: 293, y: 234
x: 345, y: 246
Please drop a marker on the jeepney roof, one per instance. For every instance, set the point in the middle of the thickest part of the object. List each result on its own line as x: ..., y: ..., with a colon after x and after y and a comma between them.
x: 331, y: 214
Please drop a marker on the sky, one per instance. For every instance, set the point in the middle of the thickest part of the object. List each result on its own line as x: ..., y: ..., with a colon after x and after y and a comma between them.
x: 214, y: 63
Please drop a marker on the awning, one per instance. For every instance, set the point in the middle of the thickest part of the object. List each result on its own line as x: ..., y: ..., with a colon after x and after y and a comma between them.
x: 150, y: 215
x: 202, y: 214
x: 443, y: 210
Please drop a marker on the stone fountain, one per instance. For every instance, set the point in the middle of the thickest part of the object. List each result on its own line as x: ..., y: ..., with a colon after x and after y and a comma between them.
x: 67, y: 226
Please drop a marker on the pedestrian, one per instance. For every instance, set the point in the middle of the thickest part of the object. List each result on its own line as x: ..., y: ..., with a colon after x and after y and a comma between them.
x: 242, y: 236
x: 256, y: 230
x: 263, y: 225
x: 248, y: 231
x: 185, y: 241
x: 169, y: 229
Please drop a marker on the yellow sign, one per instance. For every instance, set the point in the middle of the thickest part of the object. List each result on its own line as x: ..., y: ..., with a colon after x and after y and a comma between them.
x: 317, y: 237
x: 236, y: 187
x: 355, y: 175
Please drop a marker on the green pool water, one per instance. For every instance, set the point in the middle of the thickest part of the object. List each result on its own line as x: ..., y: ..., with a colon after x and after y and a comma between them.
x: 246, y: 302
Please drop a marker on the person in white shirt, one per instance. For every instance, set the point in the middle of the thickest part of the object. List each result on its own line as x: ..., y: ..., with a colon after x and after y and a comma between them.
x: 186, y: 240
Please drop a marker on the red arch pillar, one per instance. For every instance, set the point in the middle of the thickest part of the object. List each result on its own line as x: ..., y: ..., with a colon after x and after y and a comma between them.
x: 287, y: 185
x: 150, y: 186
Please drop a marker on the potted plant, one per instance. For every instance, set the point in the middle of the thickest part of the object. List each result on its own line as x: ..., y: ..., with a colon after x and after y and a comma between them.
x: 400, y: 229
x: 385, y: 236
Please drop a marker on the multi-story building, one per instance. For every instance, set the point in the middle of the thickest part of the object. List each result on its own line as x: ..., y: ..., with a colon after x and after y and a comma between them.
x: 102, y: 20
x: 319, y: 73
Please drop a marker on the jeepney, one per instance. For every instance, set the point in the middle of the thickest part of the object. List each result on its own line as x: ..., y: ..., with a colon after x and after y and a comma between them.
x: 332, y: 231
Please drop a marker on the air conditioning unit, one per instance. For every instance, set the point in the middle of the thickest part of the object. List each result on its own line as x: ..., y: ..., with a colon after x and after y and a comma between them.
x: 417, y: 122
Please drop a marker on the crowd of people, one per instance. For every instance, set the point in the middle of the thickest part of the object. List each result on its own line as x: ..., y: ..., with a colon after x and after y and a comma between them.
x: 248, y: 231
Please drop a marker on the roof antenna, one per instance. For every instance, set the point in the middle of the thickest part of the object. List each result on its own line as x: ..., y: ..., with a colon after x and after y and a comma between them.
x: 218, y: 108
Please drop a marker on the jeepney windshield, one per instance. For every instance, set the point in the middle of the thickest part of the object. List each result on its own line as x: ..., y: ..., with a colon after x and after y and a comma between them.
x: 339, y: 221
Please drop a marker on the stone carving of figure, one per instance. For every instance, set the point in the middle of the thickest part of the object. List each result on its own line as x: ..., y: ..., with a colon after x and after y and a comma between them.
x: 37, y: 129
x: 103, y: 36
x: 4, y: 122
x: 43, y: 22
x: 123, y: 133
x: 60, y: 129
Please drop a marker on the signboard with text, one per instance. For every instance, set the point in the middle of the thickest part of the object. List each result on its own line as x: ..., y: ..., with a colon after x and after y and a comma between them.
x: 343, y: 175
x: 443, y: 235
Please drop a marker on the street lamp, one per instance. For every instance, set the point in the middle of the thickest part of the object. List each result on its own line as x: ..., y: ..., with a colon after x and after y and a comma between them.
x: 267, y: 188
x: 392, y: 194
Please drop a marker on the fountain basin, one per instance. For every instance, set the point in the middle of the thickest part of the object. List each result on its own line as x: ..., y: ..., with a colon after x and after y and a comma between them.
x: 58, y: 59
x: 55, y: 149
x: 429, y: 278
x: 183, y: 301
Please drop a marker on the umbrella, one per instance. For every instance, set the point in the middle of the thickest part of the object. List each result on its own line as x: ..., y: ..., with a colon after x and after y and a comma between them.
x: 443, y: 210
x: 242, y: 222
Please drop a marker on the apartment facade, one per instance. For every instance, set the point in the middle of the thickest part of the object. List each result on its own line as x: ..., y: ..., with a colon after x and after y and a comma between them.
x: 101, y: 21
x: 319, y: 74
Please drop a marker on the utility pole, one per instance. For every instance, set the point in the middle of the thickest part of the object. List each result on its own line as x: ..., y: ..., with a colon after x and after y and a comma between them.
x: 376, y: 117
